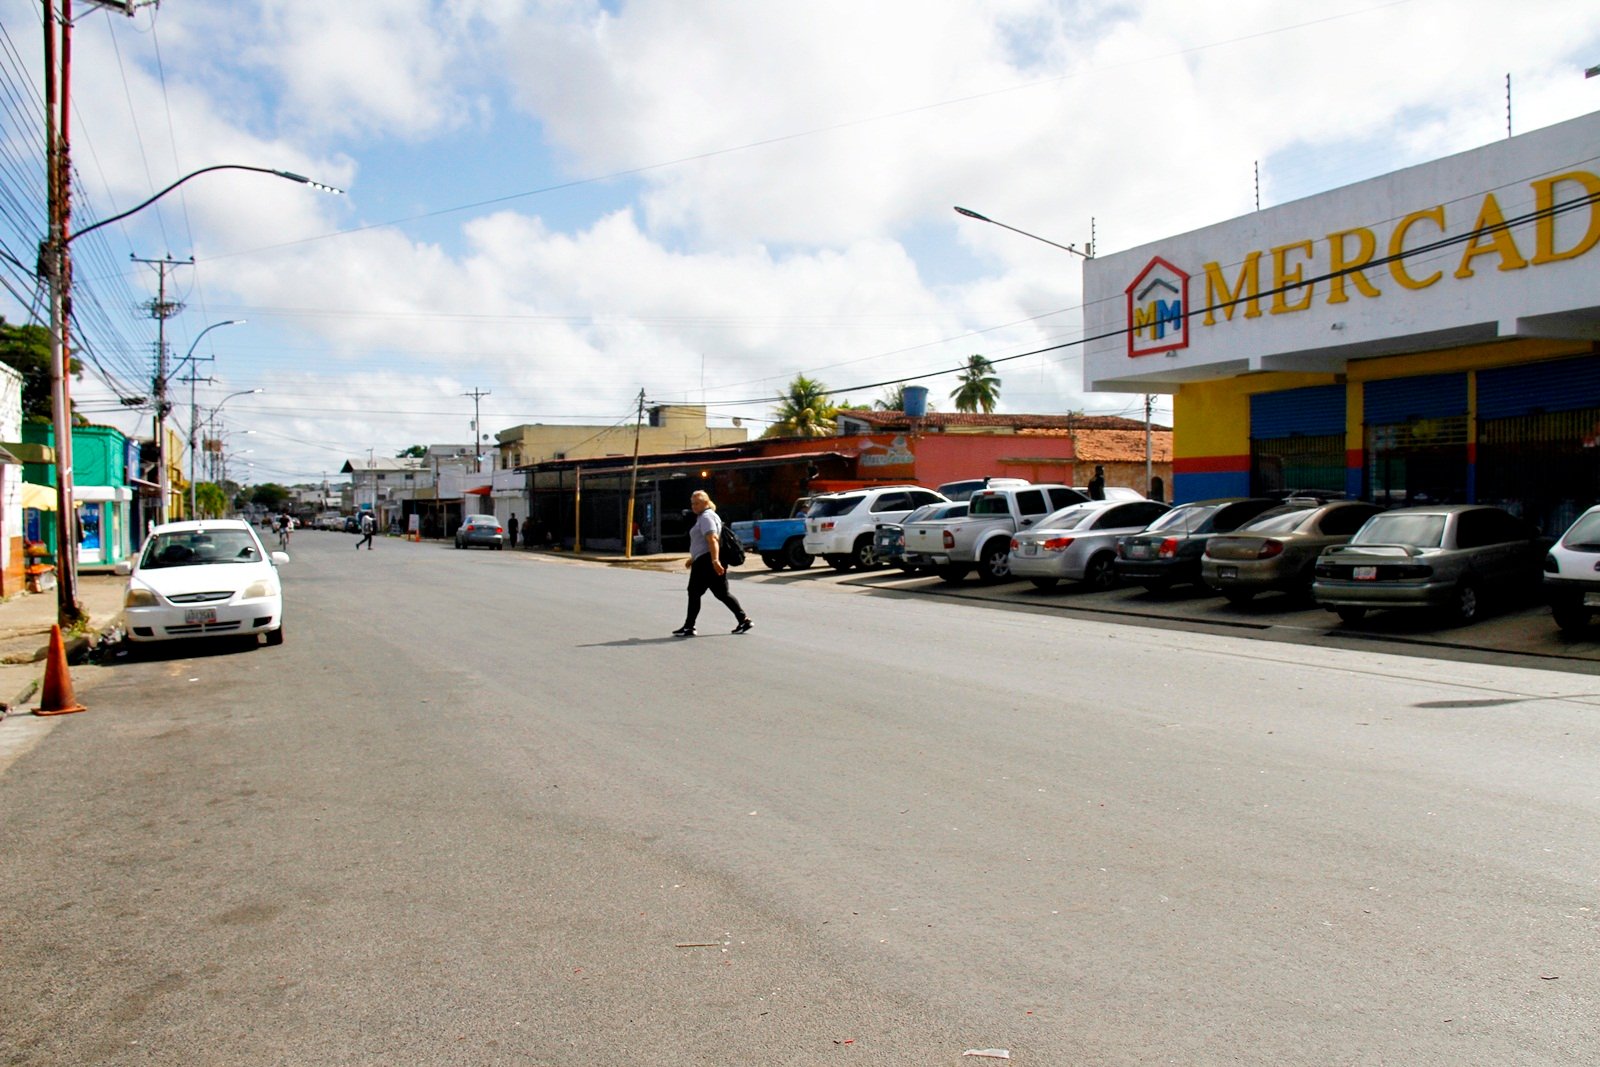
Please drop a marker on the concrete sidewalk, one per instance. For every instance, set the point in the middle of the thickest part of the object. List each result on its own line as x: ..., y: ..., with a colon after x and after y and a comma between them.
x: 25, y: 622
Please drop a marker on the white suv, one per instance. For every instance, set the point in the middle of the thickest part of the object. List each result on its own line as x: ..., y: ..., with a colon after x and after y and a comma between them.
x: 840, y: 526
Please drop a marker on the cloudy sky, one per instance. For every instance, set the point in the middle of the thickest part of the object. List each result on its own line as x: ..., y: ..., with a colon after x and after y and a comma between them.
x: 563, y: 202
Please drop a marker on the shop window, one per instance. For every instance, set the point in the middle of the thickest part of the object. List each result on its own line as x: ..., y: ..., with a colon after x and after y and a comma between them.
x: 1422, y: 461
x: 1544, y: 468
x: 1284, y: 465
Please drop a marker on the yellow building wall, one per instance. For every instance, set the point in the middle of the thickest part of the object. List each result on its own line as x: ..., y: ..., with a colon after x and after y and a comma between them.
x: 683, y: 427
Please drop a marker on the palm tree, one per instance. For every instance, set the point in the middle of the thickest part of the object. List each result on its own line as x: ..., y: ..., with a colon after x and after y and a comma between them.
x: 978, y: 390
x: 804, y: 411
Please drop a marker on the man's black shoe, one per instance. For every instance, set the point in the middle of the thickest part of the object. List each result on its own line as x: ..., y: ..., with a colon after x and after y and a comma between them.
x: 743, y: 627
x: 683, y: 631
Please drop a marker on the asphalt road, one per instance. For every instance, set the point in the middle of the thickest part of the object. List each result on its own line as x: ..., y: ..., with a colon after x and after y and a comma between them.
x: 481, y: 809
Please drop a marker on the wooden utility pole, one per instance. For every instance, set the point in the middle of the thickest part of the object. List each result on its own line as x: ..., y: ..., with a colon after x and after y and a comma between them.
x: 633, y: 482
x: 161, y: 310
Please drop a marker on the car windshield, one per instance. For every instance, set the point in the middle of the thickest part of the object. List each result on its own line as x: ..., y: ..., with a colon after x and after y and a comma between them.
x: 1067, y: 518
x: 1585, y: 533
x: 188, y: 548
x: 482, y: 520
x: 1184, y: 519
x: 832, y: 508
x: 1419, y: 531
x: 1283, y: 519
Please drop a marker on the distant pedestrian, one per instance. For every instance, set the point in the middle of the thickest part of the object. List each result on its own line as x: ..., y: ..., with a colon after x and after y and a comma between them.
x: 1097, y: 484
x: 511, y: 527
x: 369, y: 526
x: 705, y: 566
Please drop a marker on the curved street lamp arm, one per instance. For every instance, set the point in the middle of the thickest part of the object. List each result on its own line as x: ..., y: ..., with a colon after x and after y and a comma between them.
x: 302, y: 179
x: 984, y: 218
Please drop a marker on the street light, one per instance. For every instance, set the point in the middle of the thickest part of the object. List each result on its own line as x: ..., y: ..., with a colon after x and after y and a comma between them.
x: 56, y: 265
x: 164, y: 479
x: 1065, y: 248
x: 211, y: 416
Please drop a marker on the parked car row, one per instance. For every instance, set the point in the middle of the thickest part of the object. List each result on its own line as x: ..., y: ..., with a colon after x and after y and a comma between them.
x: 1350, y: 557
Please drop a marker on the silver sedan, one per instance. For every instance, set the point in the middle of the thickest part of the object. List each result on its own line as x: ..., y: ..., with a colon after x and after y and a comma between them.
x: 1079, y: 542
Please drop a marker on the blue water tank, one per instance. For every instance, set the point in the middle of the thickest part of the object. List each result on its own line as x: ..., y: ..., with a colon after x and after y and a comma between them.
x: 916, y: 401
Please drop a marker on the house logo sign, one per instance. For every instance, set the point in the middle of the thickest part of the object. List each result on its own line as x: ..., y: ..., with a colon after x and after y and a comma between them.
x: 1158, y: 301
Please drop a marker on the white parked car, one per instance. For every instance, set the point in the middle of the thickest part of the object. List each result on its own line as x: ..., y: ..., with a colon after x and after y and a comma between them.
x: 1572, y: 573
x: 1079, y: 543
x: 840, y: 526
x: 212, y: 578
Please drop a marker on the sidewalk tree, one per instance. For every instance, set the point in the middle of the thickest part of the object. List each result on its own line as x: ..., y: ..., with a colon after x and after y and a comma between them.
x: 804, y: 411
x: 412, y: 452
x: 26, y: 350
x: 210, y: 500
x: 979, y: 389
x: 269, y: 495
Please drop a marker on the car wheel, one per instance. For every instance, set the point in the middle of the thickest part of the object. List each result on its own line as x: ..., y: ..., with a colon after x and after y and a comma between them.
x: 838, y: 562
x: 1100, y: 575
x: 1044, y: 583
x: 1238, y: 597
x: 863, y: 558
x: 796, y: 556
x: 773, y: 561
x: 994, y: 562
x: 1466, y: 604
x: 1572, y: 621
x: 951, y: 573
x: 275, y: 637
x: 1350, y: 616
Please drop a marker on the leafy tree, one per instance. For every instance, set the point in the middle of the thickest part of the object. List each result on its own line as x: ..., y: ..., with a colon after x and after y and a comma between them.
x: 979, y: 389
x: 412, y: 452
x: 210, y: 500
x: 270, y: 494
x: 26, y: 350
x: 804, y: 411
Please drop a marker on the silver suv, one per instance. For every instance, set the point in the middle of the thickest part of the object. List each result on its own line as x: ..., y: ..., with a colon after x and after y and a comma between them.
x: 840, y: 526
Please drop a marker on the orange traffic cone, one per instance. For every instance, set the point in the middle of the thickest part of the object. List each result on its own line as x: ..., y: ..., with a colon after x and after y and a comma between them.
x: 57, y: 698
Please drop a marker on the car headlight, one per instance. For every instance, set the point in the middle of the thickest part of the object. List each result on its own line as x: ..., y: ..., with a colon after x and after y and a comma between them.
x: 257, y: 590
x: 140, y: 598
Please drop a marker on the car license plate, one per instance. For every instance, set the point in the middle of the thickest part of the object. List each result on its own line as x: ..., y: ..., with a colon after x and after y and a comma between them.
x: 1591, y: 600
x: 1138, y: 551
x: 1030, y: 550
x: 1227, y: 572
x: 194, y: 615
x: 1364, y: 574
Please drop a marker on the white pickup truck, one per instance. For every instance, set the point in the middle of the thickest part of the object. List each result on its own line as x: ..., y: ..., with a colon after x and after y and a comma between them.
x: 983, y: 538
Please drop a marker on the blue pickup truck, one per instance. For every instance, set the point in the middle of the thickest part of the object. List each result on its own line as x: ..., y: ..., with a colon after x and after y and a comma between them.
x: 779, y: 542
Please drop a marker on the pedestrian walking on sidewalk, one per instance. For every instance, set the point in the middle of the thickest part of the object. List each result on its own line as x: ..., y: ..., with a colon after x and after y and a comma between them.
x: 369, y: 526
x: 511, y: 528
x: 705, y: 566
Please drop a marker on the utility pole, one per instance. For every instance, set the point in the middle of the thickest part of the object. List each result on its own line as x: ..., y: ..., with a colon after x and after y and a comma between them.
x: 57, y: 267
x: 194, y: 429
x: 161, y: 310
x: 1149, y: 403
x: 633, y: 482
x: 477, y: 443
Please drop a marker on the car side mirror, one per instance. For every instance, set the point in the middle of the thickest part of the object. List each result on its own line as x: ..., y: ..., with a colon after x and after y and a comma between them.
x: 280, y: 558
x: 122, y: 569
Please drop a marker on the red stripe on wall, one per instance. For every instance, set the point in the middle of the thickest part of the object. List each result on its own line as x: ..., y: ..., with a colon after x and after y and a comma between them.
x: 1354, y: 459
x: 1472, y: 451
x: 1211, y: 465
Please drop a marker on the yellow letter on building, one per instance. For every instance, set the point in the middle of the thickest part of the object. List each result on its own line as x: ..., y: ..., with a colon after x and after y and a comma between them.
x: 1490, y: 235
x: 1544, y: 199
x: 1247, y: 291
x: 1340, y: 264
x: 1283, y: 278
x: 1397, y: 248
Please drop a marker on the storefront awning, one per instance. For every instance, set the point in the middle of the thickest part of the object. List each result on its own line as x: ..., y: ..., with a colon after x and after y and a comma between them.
x: 38, y: 497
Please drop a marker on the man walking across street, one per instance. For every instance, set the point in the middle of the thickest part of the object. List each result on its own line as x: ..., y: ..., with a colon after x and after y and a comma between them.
x: 369, y: 526
x: 705, y: 566
x: 511, y: 529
